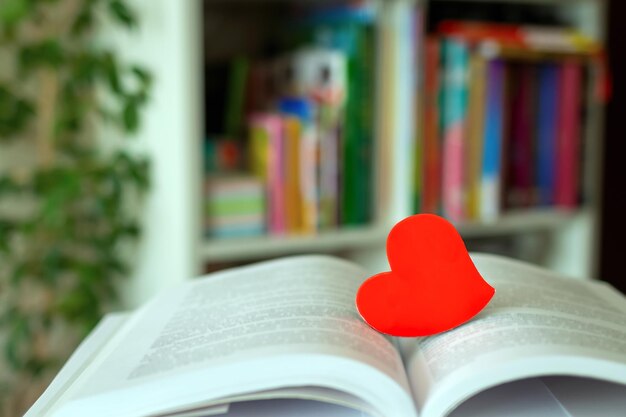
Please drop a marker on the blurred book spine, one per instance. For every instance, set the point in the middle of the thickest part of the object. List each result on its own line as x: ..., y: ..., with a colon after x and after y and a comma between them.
x: 267, y: 159
x: 235, y: 206
x: 493, y: 138
x: 307, y: 111
x: 510, y: 100
x: 432, y: 145
x: 475, y: 133
x: 455, y: 75
x: 547, y: 117
x: 568, y: 139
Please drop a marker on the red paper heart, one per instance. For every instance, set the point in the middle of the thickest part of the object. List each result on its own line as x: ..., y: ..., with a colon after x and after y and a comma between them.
x: 433, y: 285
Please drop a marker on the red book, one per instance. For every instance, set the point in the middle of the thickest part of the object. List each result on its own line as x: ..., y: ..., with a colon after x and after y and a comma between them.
x: 521, y: 160
x: 432, y: 153
x: 544, y: 38
x: 568, y: 138
x: 473, y: 32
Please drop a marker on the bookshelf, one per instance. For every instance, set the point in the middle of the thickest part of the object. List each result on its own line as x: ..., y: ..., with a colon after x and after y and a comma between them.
x: 174, y: 246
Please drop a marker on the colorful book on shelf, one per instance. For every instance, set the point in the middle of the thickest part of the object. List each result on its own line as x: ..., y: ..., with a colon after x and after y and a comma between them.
x: 295, y: 113
x: 266, y: 158
x: 455, y: 75
x: 358, y: 155
x: 260, y: 91
x: 406, y: 20
x: 321, y: 76
x: 351, y: 31
x: 547, y: 130
x: 568, y: 138
x: 222, y: 154
x: 293, y: 194
x: 475, y: 133
x: 308, y: 160
x: 519, y: 188
x: 330, y: 128
x: 432, y: 147
x: 235, y: 206
x: 494, y: 125
x: 538, y: 38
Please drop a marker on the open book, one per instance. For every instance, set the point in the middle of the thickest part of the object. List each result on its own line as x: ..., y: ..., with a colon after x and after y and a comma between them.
x: 284, y: 338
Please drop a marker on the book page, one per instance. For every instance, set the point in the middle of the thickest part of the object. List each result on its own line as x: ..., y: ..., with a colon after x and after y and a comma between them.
x: 78, y: 362
x: 537, y: 324
x: 255, y: 328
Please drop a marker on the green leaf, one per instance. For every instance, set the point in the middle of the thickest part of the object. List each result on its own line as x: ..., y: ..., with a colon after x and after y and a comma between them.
x: 144, y: 77
x: 112, y: 72
x: 18, y: 334
x: 84, y: 22
x: 46, y: 53
x: 15, y: 113
x: 12, y: 11
x: 130, y: 116
x: 8, y: 185
x: 122, y: 13
x: 131, y: 229
x: 19, y: 272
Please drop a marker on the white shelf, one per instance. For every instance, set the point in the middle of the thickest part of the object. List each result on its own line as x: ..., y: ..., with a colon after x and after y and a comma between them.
x: 532, y: 2
x: 172, y: 248
x: 266, y: 246
x: 225, y: 250
x: 521, y: 221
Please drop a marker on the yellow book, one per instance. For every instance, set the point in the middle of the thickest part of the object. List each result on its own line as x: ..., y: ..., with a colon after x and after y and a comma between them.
x: 293, y: 192
x: 475, y: 127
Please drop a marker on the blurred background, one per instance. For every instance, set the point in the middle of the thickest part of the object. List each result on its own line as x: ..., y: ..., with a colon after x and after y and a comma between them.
x: 146, y: 142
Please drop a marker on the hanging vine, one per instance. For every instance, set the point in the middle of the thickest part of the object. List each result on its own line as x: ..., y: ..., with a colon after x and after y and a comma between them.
x: 67, y: 207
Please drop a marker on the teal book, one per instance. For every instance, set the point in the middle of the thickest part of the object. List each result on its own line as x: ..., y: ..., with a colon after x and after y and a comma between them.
x: 454, y: 111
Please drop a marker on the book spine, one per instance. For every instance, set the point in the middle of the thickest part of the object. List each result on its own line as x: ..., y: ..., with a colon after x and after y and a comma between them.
x: 329, y: 165
x: 568, y: 140
x: 493, y: 141
x: 309, y: 178
x: 330, y: 96
x: 267, y: 163
x: 533, y: 38
x: 475, y: 133
x: 416, y: 43
x: 350, y: 30
x: 547, y: 116
x: 455, y: 94
x: 234, y: 206
x: 293, y: 196
x: 362, y: 78
x: 308, y: 159
x: 432, y: 149
x: 519, y: 192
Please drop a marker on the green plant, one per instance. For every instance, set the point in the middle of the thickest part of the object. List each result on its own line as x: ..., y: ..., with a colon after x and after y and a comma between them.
x: 68, y: 208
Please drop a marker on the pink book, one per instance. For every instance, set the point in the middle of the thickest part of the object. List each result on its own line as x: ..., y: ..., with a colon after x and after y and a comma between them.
x: 454, y: 112
x: 568, y: 138
x: 267, y: 144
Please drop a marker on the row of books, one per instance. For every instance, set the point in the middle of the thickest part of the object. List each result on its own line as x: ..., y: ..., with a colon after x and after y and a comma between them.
x: 301, y: 122
x: 504, y: 112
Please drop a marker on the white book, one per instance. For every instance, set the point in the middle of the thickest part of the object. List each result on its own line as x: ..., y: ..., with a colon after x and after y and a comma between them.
x: 283, y: 338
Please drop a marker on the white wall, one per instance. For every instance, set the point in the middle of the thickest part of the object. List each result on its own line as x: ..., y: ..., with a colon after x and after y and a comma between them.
x: 168, y: 44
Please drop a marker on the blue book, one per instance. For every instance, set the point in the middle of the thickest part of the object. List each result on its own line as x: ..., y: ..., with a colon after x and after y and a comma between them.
x: 547, y: 123
x: 491, y: 181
